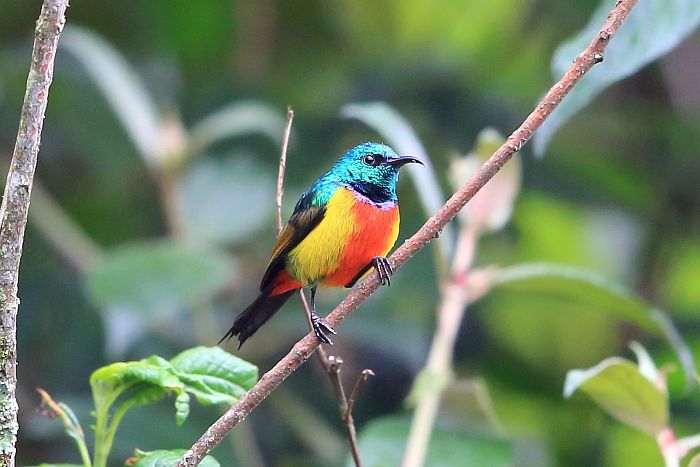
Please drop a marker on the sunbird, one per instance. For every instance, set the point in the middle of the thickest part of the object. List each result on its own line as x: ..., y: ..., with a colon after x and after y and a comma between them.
x: 341, y: 227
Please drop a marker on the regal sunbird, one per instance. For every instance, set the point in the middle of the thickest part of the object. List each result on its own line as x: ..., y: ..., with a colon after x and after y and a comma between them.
x: 341, y: 227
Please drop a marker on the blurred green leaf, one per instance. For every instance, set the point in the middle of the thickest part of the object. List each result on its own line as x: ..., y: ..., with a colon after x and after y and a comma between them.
x: 618, y: 387
x: 681, y: 285
x: 645, y: 364
x: 121, y: 87
x: 58, y: 465
x: 653, y: 28
x: 624, y: 446
x: 168, y: 458
x: 213, y: 375
x: 587, y: 287
x: 237, y: 119
x: 226, y: 201
x: 382, y: 443
x: 156, y: 276
x: 399, y: 134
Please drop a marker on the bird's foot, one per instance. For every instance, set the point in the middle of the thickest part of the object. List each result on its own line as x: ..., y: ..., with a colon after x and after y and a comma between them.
x: 384, y: 269
x: 321, y: 328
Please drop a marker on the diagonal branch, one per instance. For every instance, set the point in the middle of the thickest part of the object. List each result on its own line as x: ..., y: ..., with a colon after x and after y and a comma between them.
x: 14, y: 209
x: 303, y: 349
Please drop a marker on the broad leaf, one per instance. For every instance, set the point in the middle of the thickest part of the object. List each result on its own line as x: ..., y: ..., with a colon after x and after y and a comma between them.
x: 226, y: 201
x: 147, y: 380
x: 587, y: 287
x: 618, y: 387
x: 168, y: 458
x: 653, y: 28
x: 121, y: 87
x: 157, y: 276
x: 382, y: 443
x: 213, y: 375
x: 695, y: 461
x: 237, y: 119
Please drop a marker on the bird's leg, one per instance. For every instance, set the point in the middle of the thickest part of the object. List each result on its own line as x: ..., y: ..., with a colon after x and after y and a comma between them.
x: 384, y: 269
x: 320, y: 326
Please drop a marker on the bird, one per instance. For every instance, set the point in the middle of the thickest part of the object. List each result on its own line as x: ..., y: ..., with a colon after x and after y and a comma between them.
x: 341, y: 227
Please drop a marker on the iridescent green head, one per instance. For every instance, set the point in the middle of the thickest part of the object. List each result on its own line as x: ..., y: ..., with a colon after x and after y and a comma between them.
x: 370, y: 169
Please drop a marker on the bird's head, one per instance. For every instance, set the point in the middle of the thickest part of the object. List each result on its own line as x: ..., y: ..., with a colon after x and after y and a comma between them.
x: 372, y: 169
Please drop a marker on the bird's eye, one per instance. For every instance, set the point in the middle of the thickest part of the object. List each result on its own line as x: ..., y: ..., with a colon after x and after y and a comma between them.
x: 372, y: 159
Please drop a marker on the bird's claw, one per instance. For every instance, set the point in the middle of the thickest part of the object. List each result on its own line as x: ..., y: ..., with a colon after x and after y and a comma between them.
x: 321, y: 328
x: 384, y: 269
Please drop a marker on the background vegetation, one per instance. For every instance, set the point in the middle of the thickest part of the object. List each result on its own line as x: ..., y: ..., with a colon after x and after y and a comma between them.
x: 155, y: 215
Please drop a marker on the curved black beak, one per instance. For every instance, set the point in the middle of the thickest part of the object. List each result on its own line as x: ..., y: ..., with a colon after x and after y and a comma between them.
x: 399, y: 162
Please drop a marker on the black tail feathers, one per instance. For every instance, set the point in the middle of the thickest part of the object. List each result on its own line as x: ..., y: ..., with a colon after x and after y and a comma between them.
x: 256, y: 315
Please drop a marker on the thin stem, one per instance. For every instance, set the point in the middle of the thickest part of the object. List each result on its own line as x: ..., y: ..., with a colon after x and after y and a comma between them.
x: 303, y: 349
x: 364, y: 376
x: 453, y: 304
x: 15, y: 206
x: 70, y: 424
x: 282, y: 168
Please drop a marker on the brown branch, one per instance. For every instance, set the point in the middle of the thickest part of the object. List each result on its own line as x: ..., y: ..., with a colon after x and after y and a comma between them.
x: 330, y: 364
x: 303, y: 349
x: 282, y: 168
x: 14, y: 209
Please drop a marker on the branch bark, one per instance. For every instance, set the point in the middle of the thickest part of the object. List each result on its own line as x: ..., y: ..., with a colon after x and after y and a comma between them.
x: 303, y: 349
x: 14, y: 209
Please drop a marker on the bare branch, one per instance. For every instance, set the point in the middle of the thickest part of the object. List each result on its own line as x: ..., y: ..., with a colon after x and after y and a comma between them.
x: 431, y: 229
x: 14, y: 209
x: 364, y: 376
x: 282, y: 168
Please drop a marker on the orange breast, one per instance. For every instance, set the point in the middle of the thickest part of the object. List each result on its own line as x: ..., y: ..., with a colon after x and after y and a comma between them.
x: 375, y: 232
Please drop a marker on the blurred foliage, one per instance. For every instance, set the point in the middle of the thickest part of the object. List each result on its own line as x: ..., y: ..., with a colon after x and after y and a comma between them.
x: 160, y: 151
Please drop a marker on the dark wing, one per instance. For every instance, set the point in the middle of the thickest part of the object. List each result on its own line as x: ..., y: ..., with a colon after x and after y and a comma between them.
x: 305, y: 218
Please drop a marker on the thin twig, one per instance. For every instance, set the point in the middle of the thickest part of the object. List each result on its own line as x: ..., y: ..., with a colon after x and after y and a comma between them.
x: 282, y: 168
x: 303, y: 349
x: 15, y: 206
x: 364, y: 376
x: 453, y: 303
x: 330, y: 363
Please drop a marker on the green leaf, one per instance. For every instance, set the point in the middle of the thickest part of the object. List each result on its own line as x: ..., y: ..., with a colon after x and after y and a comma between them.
x: 237, y: 119
x: 618, y: 387
x: 157, y: 276
x: 584, y: 286
x: 382, y: 443
x: 121, y: 87
x: 213, y: 375
x: 149, y: 379
x: 57, y: 465
x: 681, y: 285
x: 653, y: 28
x: 168, y: 458
x: 695, y: 461
x: 226, y: 201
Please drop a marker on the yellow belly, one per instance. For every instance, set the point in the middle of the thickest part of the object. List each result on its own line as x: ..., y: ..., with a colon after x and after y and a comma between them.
x: 318, y: 254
